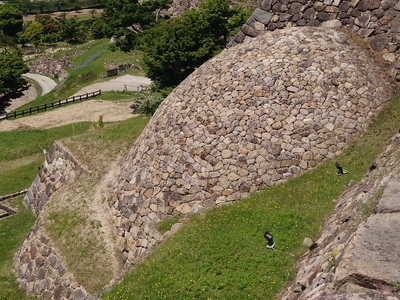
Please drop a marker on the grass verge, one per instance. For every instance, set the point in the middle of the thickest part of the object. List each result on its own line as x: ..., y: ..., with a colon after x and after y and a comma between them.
x: 77, y: 217
x: 95, y: 71
x: 221, y: 253
x: 12, y: 231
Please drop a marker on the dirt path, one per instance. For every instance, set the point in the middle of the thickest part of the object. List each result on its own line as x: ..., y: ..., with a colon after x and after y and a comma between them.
x: 85, y: 111
x: 46, y: 83
x: 120, y: 83
x: 82, y: 13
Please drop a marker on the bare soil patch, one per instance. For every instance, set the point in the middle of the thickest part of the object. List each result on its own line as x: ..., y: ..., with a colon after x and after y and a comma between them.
x: 88, y: 111
x: 82, y: 13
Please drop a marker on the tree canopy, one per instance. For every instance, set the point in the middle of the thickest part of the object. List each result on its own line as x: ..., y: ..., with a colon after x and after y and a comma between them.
x: 174, y: 48
x: 12, y: 67
x: 11, y: 21
x: 126, y: 19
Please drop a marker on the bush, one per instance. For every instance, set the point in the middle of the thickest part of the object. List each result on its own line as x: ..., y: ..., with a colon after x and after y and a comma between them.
x: 148, y: 102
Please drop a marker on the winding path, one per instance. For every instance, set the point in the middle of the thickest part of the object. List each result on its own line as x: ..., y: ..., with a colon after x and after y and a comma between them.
x: 47, y: 84
x: 120, y: 83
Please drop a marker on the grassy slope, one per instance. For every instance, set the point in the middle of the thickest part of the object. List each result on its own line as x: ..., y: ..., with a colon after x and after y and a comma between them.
x: 221, y: 254
x: 92, y: 73
x: 21, y: 153
x: 69, y: 217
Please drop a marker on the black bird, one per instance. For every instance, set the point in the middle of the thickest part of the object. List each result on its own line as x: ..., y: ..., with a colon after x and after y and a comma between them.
x: 340, y: 169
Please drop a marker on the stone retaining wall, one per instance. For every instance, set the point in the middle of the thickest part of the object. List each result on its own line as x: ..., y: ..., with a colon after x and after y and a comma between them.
x: 378, y: 22
x: 58, y: 168
x: 40, y: 271
x: 38, y: 267
x: 356, y: 255
x: 257, y: 114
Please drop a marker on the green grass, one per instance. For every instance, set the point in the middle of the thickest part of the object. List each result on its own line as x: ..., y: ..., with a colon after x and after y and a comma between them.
x: 218, y: 254
x: 221, y: 253
x: 22, y: 143
x: 12, y: 231
x: 95, y: 72
x: 68, y: 218
x: 21, y: 153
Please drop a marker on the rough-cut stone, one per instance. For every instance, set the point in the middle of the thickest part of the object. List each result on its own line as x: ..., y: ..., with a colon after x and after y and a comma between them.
x: 390, y: 198
x: 59, y: 158
x: 372, y: 252
x: 356, y: 256
x: 378, y: 22
x: 246, y: 99
x: 39, y: 270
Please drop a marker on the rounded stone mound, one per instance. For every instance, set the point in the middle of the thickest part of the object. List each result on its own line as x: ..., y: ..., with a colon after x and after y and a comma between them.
x: 254, y: 115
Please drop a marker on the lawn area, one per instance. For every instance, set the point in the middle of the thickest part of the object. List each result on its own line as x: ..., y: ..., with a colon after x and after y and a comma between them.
x: 221, y: 253
x: 218, y: 254
x: 21, y: 153
x: 94, y: 71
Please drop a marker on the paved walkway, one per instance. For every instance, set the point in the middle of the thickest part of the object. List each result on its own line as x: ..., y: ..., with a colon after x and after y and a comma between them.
x: 120, y: 83
x: 47, y: 84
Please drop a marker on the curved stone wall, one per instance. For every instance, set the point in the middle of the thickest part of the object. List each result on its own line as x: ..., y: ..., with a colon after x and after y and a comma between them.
x: 256, y: 114
x: 378, y: 22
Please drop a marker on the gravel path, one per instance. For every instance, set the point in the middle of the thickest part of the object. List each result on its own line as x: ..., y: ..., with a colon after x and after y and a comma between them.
x: 121, y: 83
x: 47, y: 84
x: 89, y: 110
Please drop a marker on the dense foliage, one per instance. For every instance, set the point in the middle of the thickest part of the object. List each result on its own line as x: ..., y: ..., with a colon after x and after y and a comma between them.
x: 12, y: 65
x: 174, y: 48
x: 125, y: 19
x: 11, y: 21
x: 46, y: 29
x: 48, y: 6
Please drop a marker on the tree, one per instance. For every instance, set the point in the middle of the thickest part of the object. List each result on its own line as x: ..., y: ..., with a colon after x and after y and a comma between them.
x: 69, y: 29
x: 11, y: 20
x: 48, y: 23
x: 125, y: 19
x: 12, y: 67
x: 174, y: 48
x: 33, y: 33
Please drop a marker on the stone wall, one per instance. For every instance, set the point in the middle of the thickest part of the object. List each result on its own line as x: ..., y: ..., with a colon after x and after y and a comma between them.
x: 258, y: 113
x: 58, y: 168
x: 40, y: 270
x: 378, y: 22
x: 356, y: 255
x: 38, y: 267
x: 51, y: 67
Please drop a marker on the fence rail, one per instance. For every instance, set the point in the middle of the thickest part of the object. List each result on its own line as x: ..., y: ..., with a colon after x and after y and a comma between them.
x: 33, y: 109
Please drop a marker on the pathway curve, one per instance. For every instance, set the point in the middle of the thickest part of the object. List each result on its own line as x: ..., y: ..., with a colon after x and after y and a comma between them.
x: 120, y: 83
x: 87, y: 111
x: 47, y: 84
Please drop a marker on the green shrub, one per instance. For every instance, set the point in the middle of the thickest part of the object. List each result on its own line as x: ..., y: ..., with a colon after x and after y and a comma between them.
x: 148, y: 102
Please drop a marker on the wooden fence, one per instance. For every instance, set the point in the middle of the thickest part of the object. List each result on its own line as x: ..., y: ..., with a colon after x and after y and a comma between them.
x: 46, y: 106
